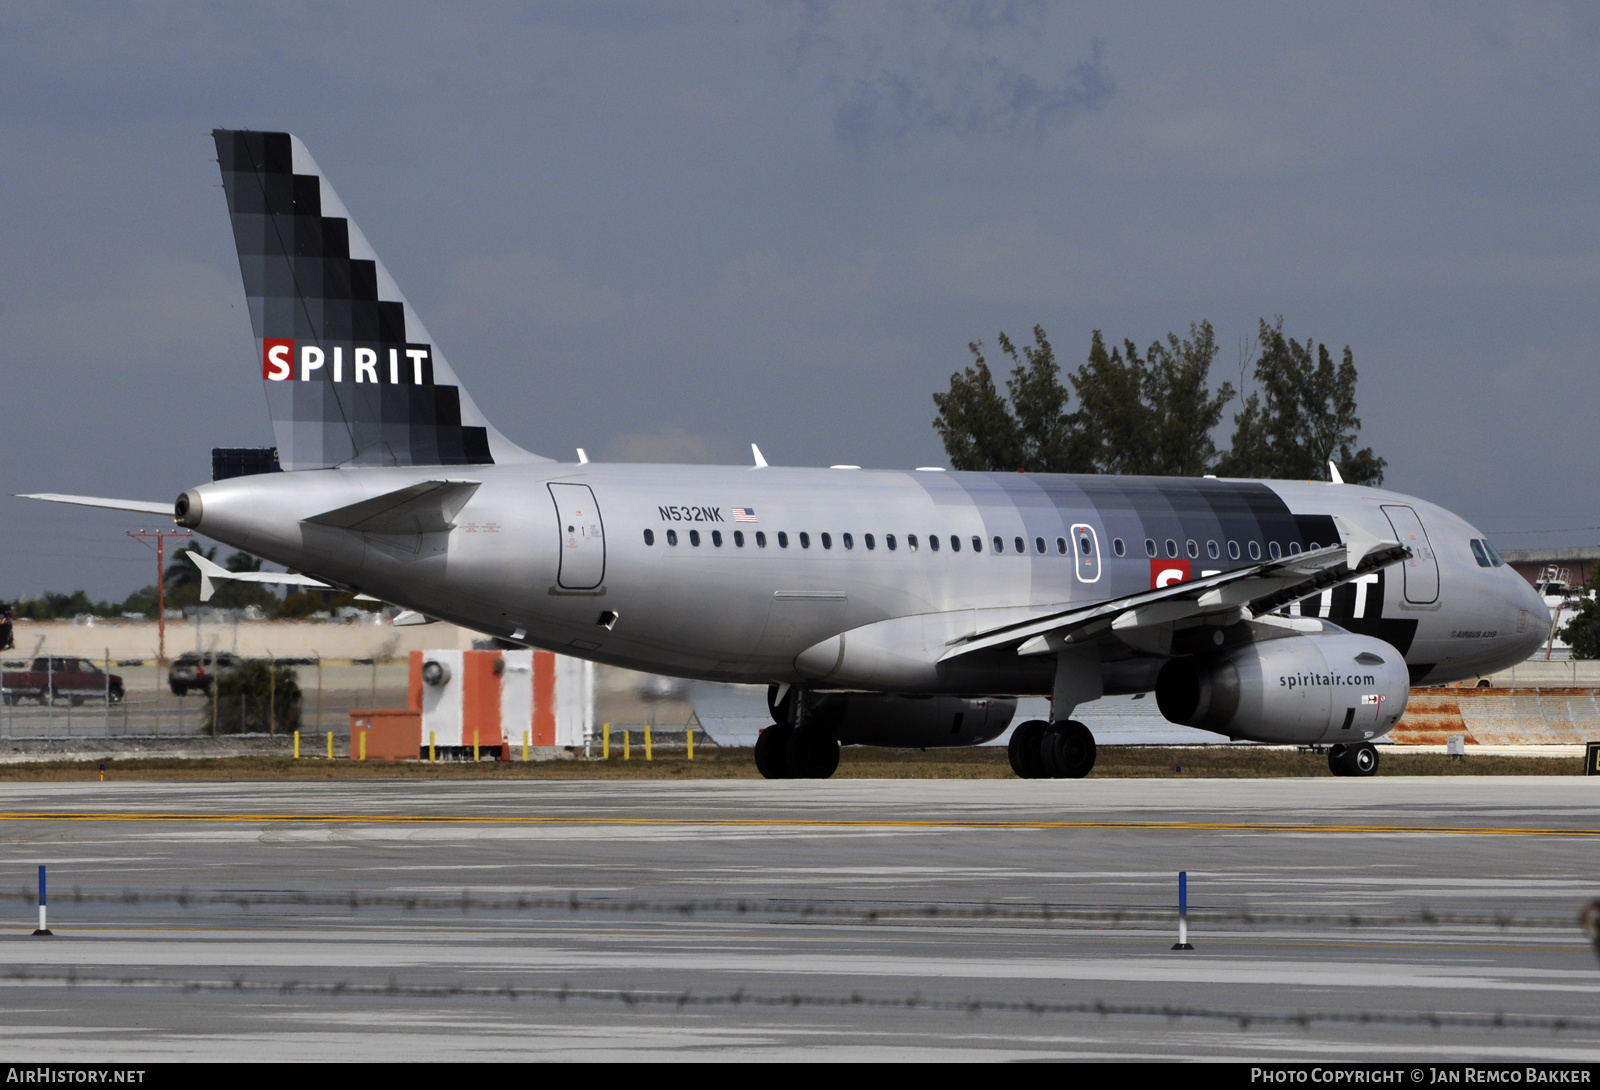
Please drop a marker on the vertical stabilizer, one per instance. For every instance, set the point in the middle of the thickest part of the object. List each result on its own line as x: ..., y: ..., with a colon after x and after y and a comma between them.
x: 352, y: 377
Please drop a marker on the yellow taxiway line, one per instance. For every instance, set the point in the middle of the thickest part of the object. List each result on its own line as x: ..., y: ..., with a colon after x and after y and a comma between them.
x: 784, y: 823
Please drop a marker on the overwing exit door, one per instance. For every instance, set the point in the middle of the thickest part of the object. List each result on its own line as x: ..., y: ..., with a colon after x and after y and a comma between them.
x: 583, y: 538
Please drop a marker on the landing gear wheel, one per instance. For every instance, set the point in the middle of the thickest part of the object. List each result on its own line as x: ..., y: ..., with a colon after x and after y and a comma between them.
x: 1068, y: 750
x: 1360, y: 759
x: 811, y: 754
x: 770, y: 745
x: 1026, y: 760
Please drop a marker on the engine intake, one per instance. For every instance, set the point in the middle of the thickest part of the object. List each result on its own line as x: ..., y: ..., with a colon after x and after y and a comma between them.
x: 1331, y: 687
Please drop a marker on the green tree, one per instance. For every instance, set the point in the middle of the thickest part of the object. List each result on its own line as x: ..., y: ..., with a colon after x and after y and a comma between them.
x: 1302, y: 417
x: 1582, y: 633
x: 252, y: 696
x: 1151, y: 415
x: 1032, y: 431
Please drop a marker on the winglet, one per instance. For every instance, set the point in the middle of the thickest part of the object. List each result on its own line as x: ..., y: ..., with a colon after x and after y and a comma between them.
x: 761, y: 462
x: 1358, y: 544
x: 1333, y: 473
x: 583, y: 460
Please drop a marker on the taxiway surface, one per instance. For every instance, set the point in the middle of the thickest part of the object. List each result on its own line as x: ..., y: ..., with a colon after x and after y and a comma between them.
x: 736, y: 919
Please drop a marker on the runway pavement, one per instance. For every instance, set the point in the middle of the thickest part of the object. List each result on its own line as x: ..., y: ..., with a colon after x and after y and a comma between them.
x: 862, y: 932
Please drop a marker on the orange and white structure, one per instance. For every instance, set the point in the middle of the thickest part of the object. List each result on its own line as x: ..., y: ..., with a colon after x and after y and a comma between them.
x: 500, y: 698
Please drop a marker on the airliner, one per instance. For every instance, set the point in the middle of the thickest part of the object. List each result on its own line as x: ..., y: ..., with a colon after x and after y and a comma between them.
x: 882, y: 607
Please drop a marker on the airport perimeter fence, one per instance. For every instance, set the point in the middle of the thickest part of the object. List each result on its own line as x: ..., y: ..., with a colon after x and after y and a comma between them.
x: 149, y: 707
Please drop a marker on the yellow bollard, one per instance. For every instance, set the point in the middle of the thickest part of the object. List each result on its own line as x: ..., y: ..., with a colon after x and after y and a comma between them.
x: 363, y: 745
x: 647, y: 743
x: 626, y: 738
x: 525, y: 745
x: 474, y: 745
x: 330, y: 745
x: 605, y: 746
x: 691, y: 743
x: 430, y: 747
x: 297, y: 745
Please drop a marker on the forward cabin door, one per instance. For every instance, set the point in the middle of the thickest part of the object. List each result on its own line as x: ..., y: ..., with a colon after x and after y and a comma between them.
x: 1422, y: 567
x: 583, y: 538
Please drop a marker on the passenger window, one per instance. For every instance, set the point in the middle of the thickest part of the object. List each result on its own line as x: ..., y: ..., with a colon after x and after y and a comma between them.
x: 955, y: 543
x: 761, y: 539
x: 1314, y: 546
x: 888, y: 539
x: 1273, y: 550
x: 977, y: 543
x: 1233, y: 550
x: 694, y: 537
x: 911, y: 542
x: 1478, y: 554
x: 849, y: 542
x: 827, y: 540
x: 999, y: 544
x: 1172, y: 549
x: 1038, y: 545
x: 1294, y: 548
x: 1212, y: 551
x: 933, y: 542
x: 1118, y: 549
x: 650, y: 537
x: 867, y: 540
x: 1255, y: 550
x: 672, y: 537
x: 805, y: 540
x: 1150, y: 547
x: 738, y: 538
x: 783, y: 539
x: 1021, y: 548
x: 1192, y: 547
x: 716, y: 538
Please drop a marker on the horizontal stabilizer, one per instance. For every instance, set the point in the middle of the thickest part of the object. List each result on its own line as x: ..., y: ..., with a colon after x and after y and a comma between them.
x: 424, y: 508
x: 145, y: 507
x: 210, y: 569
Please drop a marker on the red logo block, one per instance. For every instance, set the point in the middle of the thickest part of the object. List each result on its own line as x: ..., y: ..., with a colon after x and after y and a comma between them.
x: 277, y: 360
x: 1166, y: 572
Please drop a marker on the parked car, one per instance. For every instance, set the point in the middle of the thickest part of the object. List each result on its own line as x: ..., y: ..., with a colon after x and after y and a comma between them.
x: 54, y: 678
x: 195, y: 669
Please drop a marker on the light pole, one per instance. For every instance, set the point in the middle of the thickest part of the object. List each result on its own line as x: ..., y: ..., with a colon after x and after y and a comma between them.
x: 160, y: 547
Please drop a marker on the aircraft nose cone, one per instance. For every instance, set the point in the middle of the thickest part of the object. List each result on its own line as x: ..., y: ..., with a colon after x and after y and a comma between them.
x: 1532, y: 619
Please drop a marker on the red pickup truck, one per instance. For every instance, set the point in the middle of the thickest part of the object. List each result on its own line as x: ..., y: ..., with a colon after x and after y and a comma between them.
x: 56, y: 678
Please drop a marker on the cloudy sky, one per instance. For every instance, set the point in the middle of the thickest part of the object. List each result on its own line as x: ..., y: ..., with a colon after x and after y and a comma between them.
x: 662, y: 232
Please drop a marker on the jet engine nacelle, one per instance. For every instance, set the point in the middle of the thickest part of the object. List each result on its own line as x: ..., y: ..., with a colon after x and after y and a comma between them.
x: 877, y: 719
x: 1329, y: 687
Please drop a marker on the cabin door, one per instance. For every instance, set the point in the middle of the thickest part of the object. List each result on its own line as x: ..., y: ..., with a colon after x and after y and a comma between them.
x: 583, y: 537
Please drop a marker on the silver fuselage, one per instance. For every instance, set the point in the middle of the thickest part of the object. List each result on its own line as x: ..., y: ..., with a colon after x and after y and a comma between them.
x: 518, y: 566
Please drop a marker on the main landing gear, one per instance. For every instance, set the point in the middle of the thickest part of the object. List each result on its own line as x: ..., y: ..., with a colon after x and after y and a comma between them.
x: 1041, y: 750
x: 796, y: 753
x: 1360, y: 759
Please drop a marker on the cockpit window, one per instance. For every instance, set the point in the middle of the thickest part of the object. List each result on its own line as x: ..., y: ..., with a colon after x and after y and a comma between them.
x: 1479, y: 554
x: 1494, y: 557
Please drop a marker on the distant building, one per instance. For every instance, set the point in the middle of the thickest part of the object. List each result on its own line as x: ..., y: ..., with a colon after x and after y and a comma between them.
x: 1570, y: 566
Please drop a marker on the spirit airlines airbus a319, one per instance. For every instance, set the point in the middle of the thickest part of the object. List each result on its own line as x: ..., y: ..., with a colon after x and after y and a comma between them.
x: 895, y: 608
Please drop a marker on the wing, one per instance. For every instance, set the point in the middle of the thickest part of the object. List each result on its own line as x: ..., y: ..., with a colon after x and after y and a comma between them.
x: 1242, y: 595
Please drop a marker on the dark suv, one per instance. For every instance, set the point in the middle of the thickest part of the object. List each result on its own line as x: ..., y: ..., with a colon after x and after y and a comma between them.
x: 194, y: 670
